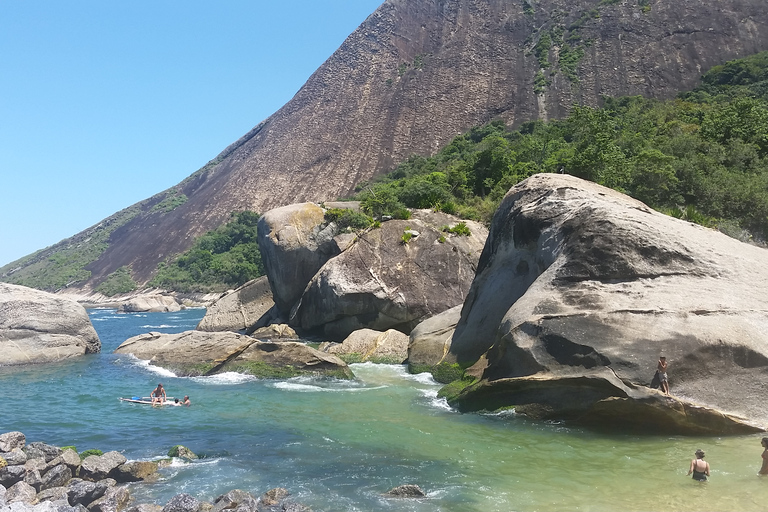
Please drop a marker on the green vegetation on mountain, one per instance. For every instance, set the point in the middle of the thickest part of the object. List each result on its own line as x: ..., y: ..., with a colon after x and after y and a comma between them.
x: 226, y: 257
x: 702, y: 156
x: 65, y: 263
x: 117, y: 282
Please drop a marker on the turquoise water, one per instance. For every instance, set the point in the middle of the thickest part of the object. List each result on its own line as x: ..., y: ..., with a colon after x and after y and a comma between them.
x: 338, y: 445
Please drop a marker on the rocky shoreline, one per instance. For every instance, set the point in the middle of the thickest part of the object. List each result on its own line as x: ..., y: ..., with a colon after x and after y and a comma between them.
x: 38, y: 477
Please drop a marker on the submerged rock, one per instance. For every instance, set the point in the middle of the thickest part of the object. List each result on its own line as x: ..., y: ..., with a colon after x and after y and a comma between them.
x: 40, y: 327
x: 406, y: 491
x: 580, y: 289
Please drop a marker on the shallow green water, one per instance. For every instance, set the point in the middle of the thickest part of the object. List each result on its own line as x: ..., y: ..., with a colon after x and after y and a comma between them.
x: 338, y: 445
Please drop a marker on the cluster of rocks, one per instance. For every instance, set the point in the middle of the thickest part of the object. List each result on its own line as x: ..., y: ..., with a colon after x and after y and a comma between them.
x: 38, y: 477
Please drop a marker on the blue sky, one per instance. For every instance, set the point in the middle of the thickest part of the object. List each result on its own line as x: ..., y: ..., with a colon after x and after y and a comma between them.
x: 103, y: 103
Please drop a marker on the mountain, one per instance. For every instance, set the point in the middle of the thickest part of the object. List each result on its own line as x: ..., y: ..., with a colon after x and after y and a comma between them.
x: 415, y: 74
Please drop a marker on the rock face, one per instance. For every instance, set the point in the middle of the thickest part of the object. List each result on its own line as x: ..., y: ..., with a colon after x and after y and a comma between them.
x: 381, y: 282
x: 150, y: 304
x: 429, y: 341
x: 294, y: 247
x: 580, y: 289
x: 203, y: 353
x: 374, y: 102
x: 239, y: 310
x: 39, y: 327
x: 369, y: 345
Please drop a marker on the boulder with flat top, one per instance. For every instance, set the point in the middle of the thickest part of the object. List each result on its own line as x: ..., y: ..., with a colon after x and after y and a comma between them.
x: 40, y: 327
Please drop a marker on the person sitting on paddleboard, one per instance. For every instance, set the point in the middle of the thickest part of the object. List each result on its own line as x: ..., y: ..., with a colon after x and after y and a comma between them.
x: 186, y: 401
x: 158, y: 394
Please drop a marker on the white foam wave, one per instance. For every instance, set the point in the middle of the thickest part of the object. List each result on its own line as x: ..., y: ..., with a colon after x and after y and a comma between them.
x: 306, y: 385
x: 225, y: 379
x: 152, y: 368
x: 161, y: 326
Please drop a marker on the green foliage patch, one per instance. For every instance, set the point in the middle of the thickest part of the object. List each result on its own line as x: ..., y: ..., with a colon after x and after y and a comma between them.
x: 117, y: 282
x: 702, y: 156
x: 346, y: 218
x: 88, y: 453
x: 226, y: 257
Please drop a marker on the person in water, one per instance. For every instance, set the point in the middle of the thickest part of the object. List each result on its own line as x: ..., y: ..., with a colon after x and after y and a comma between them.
x: 176, y: 402
x: 662, y: 371
x: 764, y: 468
x: 699, y: 468
x: 186, y: 401
x: 158, y: 394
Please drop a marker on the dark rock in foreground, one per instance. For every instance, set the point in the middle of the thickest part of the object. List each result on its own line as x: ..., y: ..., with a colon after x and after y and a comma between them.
x: 578, y: 292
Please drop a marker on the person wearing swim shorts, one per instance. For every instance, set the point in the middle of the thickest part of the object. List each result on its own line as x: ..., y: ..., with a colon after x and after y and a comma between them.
x: 158, y: 395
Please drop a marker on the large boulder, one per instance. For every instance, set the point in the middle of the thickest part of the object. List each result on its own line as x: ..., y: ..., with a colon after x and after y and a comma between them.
x: 368, y: 345
x: 39, y: 327
x: 294, y: 244
x: 150, y: 304
x: 393, y: 277
x: 193, y: 353
x: 580, y: 289
x: 188, y: 353
x: 240, y: 309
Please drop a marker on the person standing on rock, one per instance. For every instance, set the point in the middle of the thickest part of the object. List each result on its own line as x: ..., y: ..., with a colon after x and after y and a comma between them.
x: 663, y: 379
x: 158, y: 395
x: 764, y: 469
x: 699, y: 468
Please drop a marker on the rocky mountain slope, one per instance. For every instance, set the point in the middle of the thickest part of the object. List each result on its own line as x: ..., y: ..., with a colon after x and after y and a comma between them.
x: 412, y: 76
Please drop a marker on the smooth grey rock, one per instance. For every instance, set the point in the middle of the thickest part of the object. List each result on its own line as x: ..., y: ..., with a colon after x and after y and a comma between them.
x: 10, y: 441
x: 99, y: 467
x: 20, y: 491
x: 182, y: 503
x: 57, y: 476
x: 274, y: 332
x: 3, y: 490
x: 293, y: 249
x: 581, y: 288
x: 114, y: 500
x: 150, y: 304
x: 40, y: 327
x: 406, y: 491
x: 197, y: 352
x: 382, y: 283
x: 239, y: 309
x: 430, y: 341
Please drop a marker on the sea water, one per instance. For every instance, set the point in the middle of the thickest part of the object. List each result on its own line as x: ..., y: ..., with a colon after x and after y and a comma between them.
x: 339, y: 445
